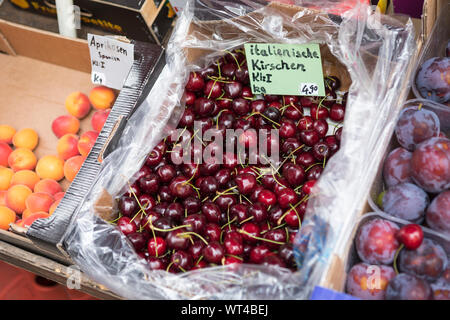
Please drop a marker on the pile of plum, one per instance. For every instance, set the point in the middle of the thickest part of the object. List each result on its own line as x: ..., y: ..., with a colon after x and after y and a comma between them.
x: 433, y: 78
x: 417, y: 177
x: 186, y: 216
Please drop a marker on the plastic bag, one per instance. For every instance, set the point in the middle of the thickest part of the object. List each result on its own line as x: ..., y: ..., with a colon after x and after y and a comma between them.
x: 375, y: 55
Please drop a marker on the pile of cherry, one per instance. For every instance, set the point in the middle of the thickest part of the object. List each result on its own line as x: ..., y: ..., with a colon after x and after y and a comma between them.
x: 188, y: 216
x: 417, y: 176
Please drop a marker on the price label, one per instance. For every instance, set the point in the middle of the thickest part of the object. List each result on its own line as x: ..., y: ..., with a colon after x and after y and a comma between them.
x: 309, y: 89
x: 285, y: 69
x: 111, y: 60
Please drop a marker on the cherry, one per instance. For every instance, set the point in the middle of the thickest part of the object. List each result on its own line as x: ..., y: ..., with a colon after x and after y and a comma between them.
x: 309, y: 137
x: 267, y: 197
x: 258, y: 211
x: 181, y: 260
x: 163, y: 223
x: 410, y: 235
x: 293, y: 173
x: 233, y: 246
x: 211, y: 212
x: 271, y: 97
x: 278, y: 235
x: 203, y: 107
x: 307, y: 187
x: 126, y: 226
x: 195, y: 250
x: 337, y: 112
x: 240, y: 211
x: 258, y: 253
x: 212, y: 232
x: 223, y: 176
x: 166, y: 173
x: 242, y: 75
x: 258, y: 106
x: 165, y: 194
x: 287, y: 129
x: 272, y: 260
x: 160, y: 208
x: 286, y: 253
x: 149, y: 184
x: 319, y: 112
x: 287, y: 197
x: 191, y: 205
x: 249, y: 231
x: 225, y: 201
x: 275, y: 213
x: 294, y: 112
x: 305, y: 159
x: 141, y: 173
x: 149, y: 220
x: 290, y: 145
x: 138, y: 240
x: 332, y: 144
x: 209, y: 186
x: 233, y: 89
x: 188, y: 117
x: 213, y: 89
x: 338, y: 134
x: 242, y: 124
x: 174, y: 211
x: 292, y: 218
x: 156, y: 264
x: 128, y: 206
x: 229, y: 69
x: 180, y: 187
x: 176, y: 240
x: 305, y: 123
x: 156, y: 246
x: 314, y: 172
x: 321, y: 127
x: 213, y: 252
x: 275, y: 104
x: 272, y: 113
x: 188, y: 98
x: 240, y: 106
x: 245, y: 182
x: 147, y: 202
x: 195, y: 82
x: 209, y: 168
x: 321, y: 151
x: 332, y: 83
x: 153, y: 158
x: 200, y: 265
x: 205, y: 123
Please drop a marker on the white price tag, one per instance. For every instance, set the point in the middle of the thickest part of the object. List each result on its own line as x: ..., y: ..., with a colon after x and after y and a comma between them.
x: 111, y: 60
x: 309, y: 89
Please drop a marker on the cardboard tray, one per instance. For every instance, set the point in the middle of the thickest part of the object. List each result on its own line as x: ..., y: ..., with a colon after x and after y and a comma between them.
x: 39, y: 69
x: 336, y: 273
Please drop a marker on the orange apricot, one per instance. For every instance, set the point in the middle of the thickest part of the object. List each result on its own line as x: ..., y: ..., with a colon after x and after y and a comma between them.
x: 65, y: 125
x: 16, y: 197
x: 5, y: 151
x: 72, y: 166
x: 49, y: 186
x: 22, y: 159
x: 6, y: 133
x: 26, y: 177
x: 6, y: 175
x: 7, y: 216
x: 102, y: 97
x: 26, y: 138
x: 78, y: 105
x: 39, y: 202
x: 67, y: 146
x: 50, y: 167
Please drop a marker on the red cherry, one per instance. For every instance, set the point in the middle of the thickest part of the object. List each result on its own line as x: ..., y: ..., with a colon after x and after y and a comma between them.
x: 156, y: 246
x: 307, y: 187
x: 411, y: 235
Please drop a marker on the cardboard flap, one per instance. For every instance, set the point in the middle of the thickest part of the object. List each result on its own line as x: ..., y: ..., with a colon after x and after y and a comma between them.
x: 5, y: 46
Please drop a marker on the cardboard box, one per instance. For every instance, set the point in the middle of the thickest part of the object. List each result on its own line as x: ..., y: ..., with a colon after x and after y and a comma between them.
x: 39, y: 69
x: 145, y: 20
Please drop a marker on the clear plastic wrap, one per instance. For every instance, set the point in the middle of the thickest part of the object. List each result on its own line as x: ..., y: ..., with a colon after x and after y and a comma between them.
x: 372, y: 54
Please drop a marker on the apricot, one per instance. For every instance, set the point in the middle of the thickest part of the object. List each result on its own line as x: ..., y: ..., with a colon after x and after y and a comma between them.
x: 26, y: 223
x: 78, y: 105
x: 26, y: 138
x: 26, y: 213
x: 49, y: 186
x: 26, y: 177
x: 99, y: 118
x: 67, y: 146
x: 53, y: 206
x: 6, y: 175
x: 86, y: 142
x: 7, y: 216
x: 5, y: 151
x: 102, y: 97
x: 50, y: 167
x: 59, y: 196
x: 6, y: 133
x: 16, y: 197
x: 72, y: 166
x: 39, y: 202
x: 3, y: 198
x: 22, y: 159
x: 65, y: 125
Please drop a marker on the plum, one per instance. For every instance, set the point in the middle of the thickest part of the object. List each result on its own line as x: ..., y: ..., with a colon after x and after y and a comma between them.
x: 408, y: 287
x: 441, y: 287
x: 406, y: 201
x: 376, y: 242
x: 416, y: 125
x: 430, y: 165
x: 433, y: 79
x: 428, y: 261
x: 397, y: 168
x: 369, y: 282
x: 438, y: 213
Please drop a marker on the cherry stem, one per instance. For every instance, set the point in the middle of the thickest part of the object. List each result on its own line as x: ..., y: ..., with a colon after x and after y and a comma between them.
x: 198, y: 261
x: 229, y: 222
x: 246, y: 220
x: 194, y: 234
x: 236, y: 257
x: 171, y: 229
x: 396, y: 256
x: 259, y: 238
x: 237, y: 62
x: 223, y: 193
